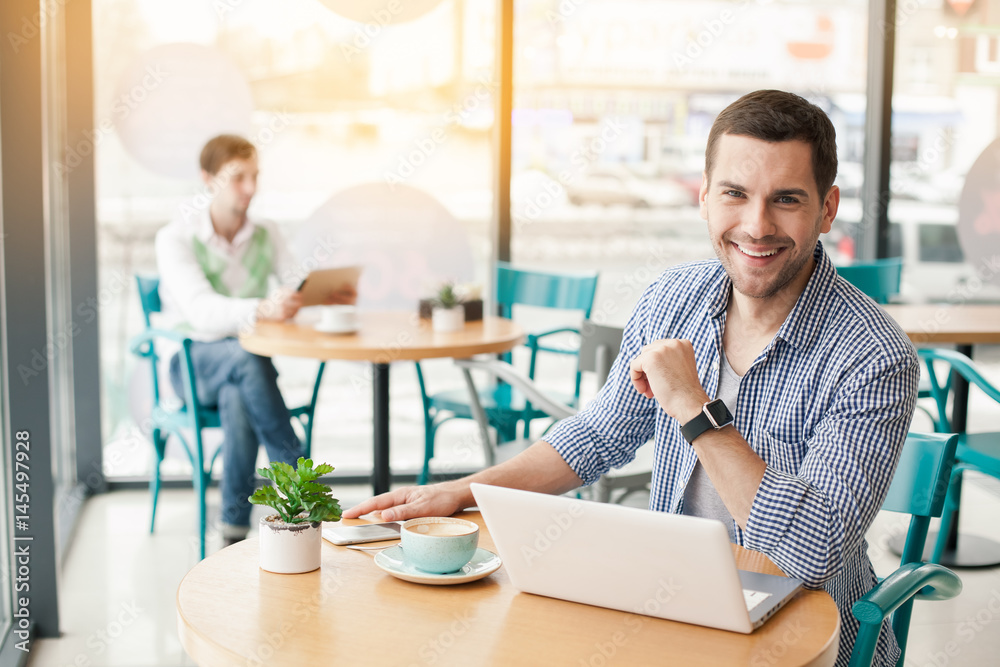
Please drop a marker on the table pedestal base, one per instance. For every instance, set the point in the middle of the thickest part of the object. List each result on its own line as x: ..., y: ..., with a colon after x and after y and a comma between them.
x: 381, y: 476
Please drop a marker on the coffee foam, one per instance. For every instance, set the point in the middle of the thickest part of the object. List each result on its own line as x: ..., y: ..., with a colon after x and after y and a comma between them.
x: 441, y: 529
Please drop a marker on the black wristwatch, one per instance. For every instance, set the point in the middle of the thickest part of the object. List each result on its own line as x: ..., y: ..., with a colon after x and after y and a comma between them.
x: 714, y: 414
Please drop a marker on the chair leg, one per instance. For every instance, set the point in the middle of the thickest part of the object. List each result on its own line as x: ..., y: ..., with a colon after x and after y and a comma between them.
x: 602, y: 490
x: 201, y: 484
x: 430, y: 430
x: 948, y: 514
x: 159, y: 448
x: 307, y: 425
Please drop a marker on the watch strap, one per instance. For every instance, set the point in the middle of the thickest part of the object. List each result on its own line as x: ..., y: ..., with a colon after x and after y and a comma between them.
x: 704, y: 422
x: 696, y: 426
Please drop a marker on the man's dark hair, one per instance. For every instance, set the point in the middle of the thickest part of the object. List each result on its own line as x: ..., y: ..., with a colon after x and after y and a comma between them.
x: 223, y: 148
x: 774, y: 115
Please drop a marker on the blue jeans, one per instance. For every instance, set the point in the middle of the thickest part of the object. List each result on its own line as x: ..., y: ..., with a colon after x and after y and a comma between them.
x: 244, y: 387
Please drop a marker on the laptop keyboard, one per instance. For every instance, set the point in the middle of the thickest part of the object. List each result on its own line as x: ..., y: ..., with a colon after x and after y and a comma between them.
x: 754, y: 598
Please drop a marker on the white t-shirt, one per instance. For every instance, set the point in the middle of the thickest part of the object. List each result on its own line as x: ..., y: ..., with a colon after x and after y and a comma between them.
x: 700, y: 496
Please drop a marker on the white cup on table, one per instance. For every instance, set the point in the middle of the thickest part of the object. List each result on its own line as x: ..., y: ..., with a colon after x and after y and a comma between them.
x: 339, y: 318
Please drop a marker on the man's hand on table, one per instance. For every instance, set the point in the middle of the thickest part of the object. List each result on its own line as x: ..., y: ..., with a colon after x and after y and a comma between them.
x: 282, y: 304
x: 442, y: 499
x: 539, y: 468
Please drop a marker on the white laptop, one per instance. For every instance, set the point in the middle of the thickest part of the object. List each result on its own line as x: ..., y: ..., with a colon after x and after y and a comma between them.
x: 653, y: 563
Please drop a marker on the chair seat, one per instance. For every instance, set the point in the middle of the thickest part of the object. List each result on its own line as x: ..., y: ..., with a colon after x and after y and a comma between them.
x: 634, y: 476
x: 181, y: 417
x: 505, y: 451
x: 981, y: 450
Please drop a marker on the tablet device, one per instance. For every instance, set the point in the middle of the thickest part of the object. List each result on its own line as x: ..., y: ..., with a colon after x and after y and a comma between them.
x: 320, y: 283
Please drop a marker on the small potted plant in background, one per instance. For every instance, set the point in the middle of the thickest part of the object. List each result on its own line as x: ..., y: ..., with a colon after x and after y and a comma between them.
x: 447, y: 314
x: 291, y: 540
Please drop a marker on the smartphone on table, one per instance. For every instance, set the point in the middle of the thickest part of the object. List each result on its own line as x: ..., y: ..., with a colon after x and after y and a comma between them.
x: 340, y: 534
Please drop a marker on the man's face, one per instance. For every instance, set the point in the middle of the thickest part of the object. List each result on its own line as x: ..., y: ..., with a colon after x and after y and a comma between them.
x: 235, y: 185
x: 764, y: 212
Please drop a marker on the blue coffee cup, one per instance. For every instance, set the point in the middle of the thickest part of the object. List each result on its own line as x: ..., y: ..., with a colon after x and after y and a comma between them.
x: 439, y: 544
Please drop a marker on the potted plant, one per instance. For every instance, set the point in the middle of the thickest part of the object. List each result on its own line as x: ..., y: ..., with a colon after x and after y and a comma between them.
x: 291, y: 540
x: 447, y: 314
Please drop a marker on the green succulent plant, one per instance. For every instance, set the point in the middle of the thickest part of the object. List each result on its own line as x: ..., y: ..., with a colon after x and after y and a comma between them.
x: 298, y: 498
x: 446, y: 296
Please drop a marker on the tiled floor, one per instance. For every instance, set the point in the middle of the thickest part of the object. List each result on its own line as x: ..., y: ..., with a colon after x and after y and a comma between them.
x: 119, y: 582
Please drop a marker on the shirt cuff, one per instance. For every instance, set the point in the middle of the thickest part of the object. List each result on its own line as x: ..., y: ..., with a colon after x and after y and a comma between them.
x: 778, y: 498
x: 573, y: 440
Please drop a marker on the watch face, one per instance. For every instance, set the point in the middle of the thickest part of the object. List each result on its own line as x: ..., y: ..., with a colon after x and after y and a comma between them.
x: 720, y: 413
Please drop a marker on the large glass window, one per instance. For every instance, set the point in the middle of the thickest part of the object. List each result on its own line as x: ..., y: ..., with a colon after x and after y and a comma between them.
x: 613, y: 104
x: 374, y: 137
x: 943, y: 183
x: 62, y: 322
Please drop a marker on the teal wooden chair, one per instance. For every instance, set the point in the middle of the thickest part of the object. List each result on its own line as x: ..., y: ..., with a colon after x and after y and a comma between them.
x: 918, y: 488
x: 505, y: 407
x: 191, y: 416
x: 976, y: 451
x: 879, y: 279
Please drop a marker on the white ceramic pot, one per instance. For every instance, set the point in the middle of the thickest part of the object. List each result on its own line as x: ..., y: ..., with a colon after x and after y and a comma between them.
x: 444, y: 320
x: 289, y: 548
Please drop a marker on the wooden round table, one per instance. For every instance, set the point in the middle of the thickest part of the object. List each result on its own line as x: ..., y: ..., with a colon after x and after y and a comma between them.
x: 349, y: 612
x: 382, y: 338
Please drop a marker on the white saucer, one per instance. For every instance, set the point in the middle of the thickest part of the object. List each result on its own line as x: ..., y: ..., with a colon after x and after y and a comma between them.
x: 483, y: 564
x: 335, y: 330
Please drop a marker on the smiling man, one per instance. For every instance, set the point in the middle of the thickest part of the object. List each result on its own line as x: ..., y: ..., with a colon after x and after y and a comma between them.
x: 777, y: 395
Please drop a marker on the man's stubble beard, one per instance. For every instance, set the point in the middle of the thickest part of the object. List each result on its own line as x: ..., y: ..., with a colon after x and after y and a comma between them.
x: 786, y: 276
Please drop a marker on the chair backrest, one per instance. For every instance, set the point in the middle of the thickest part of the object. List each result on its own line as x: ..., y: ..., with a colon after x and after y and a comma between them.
x: 149, y: 299
x: 961, y: 364
x: 149, y: 295
x: 878, y: 279
x: 599, y: 345
x: 918, y: 488
x: 920, y: 484
x: 544, y: 289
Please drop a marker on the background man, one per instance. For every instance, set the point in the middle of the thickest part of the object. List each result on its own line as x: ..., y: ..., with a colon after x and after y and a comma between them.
x: 215, y: 267
x: 816, y: 384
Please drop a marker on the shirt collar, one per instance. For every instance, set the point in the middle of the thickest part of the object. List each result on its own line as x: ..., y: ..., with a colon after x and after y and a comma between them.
x: 803, y: 322
x: 206, y: 232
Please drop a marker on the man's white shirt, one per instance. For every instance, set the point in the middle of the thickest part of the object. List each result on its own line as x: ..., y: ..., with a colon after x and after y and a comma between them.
x: 210, y: 288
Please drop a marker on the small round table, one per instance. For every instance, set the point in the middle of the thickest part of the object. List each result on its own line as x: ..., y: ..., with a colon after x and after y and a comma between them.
x: 382, y: 338
x: 349, y: 612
